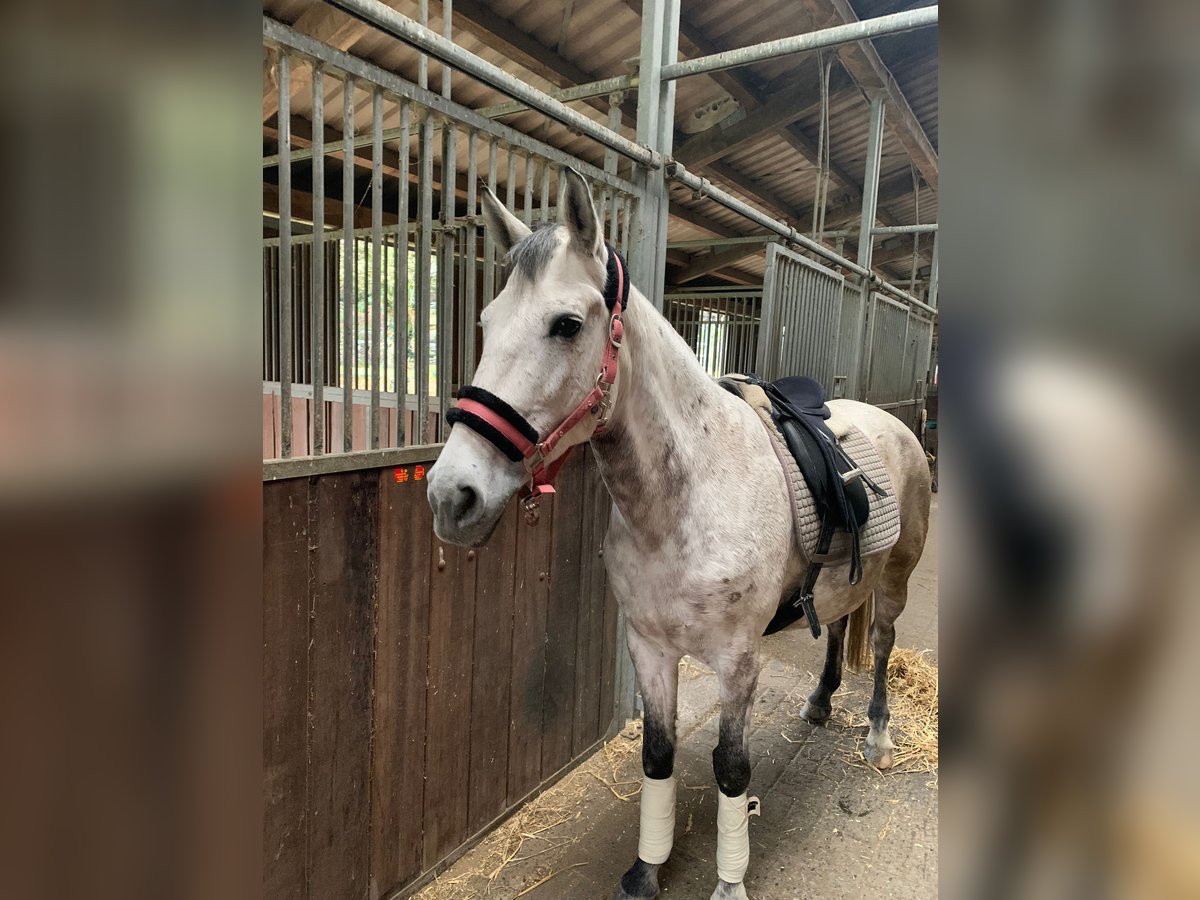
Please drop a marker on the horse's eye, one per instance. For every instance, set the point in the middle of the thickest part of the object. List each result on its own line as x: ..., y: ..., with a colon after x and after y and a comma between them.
x: 565, y: 327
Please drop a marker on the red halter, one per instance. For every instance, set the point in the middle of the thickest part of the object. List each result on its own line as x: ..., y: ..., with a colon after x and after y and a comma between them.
x: 512, y: 434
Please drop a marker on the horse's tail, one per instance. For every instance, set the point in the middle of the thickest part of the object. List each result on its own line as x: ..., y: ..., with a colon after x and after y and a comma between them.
x: 857, y: 653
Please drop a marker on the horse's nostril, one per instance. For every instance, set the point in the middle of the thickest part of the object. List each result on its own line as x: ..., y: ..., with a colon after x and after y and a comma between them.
x: 467, y: 499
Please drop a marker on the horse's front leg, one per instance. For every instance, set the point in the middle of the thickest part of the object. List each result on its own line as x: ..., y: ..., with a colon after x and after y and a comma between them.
x: 738, y: 677
x: 658, y: 678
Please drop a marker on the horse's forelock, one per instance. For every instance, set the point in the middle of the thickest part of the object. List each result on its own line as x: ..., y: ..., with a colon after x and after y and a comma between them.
x: 532, y: 254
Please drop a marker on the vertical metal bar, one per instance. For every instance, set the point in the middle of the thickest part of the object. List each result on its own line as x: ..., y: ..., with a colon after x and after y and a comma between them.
x: 448, y: 34
x: 285, y: 255
x: 933, y: 274
x: 489, y: 243
x: 422, y: 59
x: 545, y: 190
x: 614, y: 223
x: 766, y: 318
x: 317, y: 365
x: 510, y: 184
x: 445, y: 326
x: 348, y: 268
x: 401, y: 281
x: 424, y: 253
x: 529, y: 172
x: 470, y: 312
x: 655, y: 129
x: 870, y: 197
x: 374, y: 332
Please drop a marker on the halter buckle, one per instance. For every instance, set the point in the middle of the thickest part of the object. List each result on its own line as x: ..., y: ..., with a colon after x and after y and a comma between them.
x: 616, y: 330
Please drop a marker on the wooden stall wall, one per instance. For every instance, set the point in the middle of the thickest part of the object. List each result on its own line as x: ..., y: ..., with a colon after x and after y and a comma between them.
x: 415, y: 692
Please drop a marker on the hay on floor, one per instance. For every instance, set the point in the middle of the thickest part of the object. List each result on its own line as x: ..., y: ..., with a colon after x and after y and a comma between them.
x: 913, y: 702
x: 533, y: 829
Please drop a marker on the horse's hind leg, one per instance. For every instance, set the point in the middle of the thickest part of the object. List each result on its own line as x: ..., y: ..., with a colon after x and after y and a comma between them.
x: 891, y: 596
x: 820, y: 704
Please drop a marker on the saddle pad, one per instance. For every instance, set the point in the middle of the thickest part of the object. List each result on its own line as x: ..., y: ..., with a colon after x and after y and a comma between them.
x: 882, y: 528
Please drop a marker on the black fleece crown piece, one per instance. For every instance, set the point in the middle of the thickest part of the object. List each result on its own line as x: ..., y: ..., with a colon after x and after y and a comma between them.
x: 617, y: 286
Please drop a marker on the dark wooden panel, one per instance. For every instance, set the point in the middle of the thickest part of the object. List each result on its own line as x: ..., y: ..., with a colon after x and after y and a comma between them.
x: 285, y: 692
x: 345, y: 514
x: 611, y: 641
x: 402, y: 629
x: 448, y: 698
x: 493, y: 672
x: 529, y: 655
x: 564, y: 600
x: 590, y: 632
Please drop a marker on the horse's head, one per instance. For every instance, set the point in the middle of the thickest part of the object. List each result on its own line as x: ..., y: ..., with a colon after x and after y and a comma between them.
x: 544, y: 337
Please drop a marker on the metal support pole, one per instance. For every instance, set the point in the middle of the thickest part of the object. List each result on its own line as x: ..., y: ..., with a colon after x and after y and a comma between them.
x: 318, y: 261
x: 285, y: 256
x: 862, y: 367
x: 933, y: 276
x: 655, y: 130
x: 801, y: 43
x: 405, y: 29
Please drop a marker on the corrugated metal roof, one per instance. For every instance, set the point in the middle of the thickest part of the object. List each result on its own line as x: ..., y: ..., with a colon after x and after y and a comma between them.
x: 601, y: 37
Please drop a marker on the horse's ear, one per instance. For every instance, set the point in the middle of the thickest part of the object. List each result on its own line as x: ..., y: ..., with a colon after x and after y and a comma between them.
x: 506, y: 229
x: 579, y: 215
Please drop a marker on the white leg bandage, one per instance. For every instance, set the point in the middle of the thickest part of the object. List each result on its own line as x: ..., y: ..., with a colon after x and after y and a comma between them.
x: 658, y: 820
x: 733, y: 836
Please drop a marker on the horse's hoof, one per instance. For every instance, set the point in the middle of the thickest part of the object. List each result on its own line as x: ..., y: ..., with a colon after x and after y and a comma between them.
x: 817, y: 715
x: 639, y: 883
x: 727, y: 891
x: 879, y: 754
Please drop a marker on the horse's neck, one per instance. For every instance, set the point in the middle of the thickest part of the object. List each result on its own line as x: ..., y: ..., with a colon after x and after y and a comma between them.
x: 656, y: 425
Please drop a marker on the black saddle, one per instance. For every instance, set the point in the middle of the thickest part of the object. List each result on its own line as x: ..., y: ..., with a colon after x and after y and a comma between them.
x: 838, y: 485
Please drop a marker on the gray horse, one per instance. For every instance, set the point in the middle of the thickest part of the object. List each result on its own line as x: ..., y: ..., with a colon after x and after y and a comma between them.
x: 701, y: 548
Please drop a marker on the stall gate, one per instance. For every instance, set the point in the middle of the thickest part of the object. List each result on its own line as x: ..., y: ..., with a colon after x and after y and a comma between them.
x: 407, y: 266
x: 414, y: 692
x: 811, y: 325
x: 721, y: 325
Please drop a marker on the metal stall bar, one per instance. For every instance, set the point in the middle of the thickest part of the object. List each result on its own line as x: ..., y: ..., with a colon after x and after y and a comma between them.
x: 348, y: 265
x: 903, y: 229
x: 529, y: 173
x: 401, y: 282
x: 375, y: 329
x: 802, y: 43
x: 566, y: 95
x: 405, y: 29
x: 933, y: 276
x: 861, y: 369
x: 424, y: 250
x: 471, y: 312
x: 446, y: 280
x: 285, y: 257
x: 289, y: 39
x: 489, y: 243
x: 318, y: 261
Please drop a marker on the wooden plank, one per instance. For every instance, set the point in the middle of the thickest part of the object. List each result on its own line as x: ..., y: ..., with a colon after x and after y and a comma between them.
x: 285, y: 692
x: 448, y: 699
x: 402, y: 627
x: 589, y: 634
x: 268, y: 413
x: 529, y: 655
x: 300, y: 441
x: 345, y: 514
x: 493, y: 671
x: 561, y: 618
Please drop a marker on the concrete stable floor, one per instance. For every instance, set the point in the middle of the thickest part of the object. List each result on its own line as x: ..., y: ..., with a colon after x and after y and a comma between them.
x: 831, y: 827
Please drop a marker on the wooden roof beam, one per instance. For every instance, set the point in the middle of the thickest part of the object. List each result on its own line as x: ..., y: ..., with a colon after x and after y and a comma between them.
x: 863, y: 63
